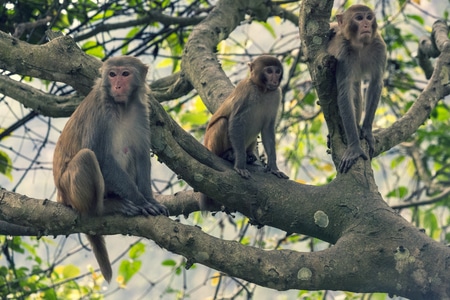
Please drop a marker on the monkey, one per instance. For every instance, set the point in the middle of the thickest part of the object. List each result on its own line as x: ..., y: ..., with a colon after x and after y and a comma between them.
x: 360, y: 53
x: 249, y: 110
x: 101, y: 163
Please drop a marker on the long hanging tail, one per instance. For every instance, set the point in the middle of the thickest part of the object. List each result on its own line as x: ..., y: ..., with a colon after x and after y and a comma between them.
x: 101, y: 254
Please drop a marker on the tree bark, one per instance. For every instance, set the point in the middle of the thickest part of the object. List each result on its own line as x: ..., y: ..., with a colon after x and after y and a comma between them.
x: 375, y: 249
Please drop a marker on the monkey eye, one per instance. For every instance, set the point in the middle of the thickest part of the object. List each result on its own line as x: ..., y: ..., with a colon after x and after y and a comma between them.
x: 125, y: 73
x: 359, y: 17
x: 112, y: 74
x: 369, y: 17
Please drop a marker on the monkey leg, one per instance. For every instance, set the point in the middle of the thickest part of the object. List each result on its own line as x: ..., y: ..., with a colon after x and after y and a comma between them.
x: 229, y: 156
x: 251, y: 153
x: 82, y: 183
x: 366, y: 133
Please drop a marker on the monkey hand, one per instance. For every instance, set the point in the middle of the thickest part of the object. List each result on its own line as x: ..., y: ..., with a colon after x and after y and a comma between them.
x: 368, y: 136
x: 276, y: 172
x: 243, y: 172
x: 350, y: 156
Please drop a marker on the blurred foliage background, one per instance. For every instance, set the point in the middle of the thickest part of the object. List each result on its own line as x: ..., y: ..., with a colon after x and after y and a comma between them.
x: 413, y: 177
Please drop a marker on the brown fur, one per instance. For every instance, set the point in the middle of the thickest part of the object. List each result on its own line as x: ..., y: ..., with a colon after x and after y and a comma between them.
x: 361, y: 54
x: 101, y: 163
x: 249, y: 110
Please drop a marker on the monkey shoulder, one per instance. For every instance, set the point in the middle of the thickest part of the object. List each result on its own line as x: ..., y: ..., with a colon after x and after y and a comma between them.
x: 336, y: 43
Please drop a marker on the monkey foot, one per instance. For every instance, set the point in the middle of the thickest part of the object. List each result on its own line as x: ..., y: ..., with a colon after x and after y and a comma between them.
x: 243, y: 172
x: 278, y: 173
x: 154, y: 209
x: 350, y: 157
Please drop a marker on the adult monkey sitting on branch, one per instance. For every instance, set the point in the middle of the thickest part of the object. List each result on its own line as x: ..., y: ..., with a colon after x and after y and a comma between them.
x: 360, y: 53
x: 101, y: 163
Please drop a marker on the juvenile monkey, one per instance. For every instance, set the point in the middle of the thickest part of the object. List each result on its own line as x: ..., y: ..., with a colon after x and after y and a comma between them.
x: 360, y: 53
x: 249, y: 110
x: 101, y: 163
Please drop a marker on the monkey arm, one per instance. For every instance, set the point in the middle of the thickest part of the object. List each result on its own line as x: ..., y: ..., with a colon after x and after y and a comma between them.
x: 118, y: 182
x: 373, y: 95
x: 143, y: 177
x: 346, y: 97
x: 268, y: 139
x: 240, y: 119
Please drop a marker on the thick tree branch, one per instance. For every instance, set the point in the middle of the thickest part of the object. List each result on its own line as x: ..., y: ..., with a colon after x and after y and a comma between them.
x: 65, y: 63
x: 438, y: 87
x: 432, y: 46
x: 390, y: 252
x: 43, y: 103
x: 58, y: 60
x: 171, y: 87
x: 372, y: 244
x: 211, y: 83
x: 314, y: 26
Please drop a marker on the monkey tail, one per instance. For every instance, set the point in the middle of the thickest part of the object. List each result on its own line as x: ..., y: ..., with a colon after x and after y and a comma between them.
x: 101, y: 254
x: 207, y: 204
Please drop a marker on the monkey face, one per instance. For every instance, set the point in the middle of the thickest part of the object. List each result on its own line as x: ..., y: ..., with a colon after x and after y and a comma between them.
x: 363, y: 24
x: 272, y: 77
x: 121, y: 82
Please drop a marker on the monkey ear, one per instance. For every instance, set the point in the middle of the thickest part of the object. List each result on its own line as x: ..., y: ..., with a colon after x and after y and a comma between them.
x: 250, y: 65
x: 339, y: 19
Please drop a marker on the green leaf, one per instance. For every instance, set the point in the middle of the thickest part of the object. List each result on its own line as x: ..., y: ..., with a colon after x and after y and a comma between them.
x: 269, y: 28
x: 310, y: 99
x: 137, y: 250
x: 92, y: 48
x: 431, y: 223
x: 130, y: 36
x: 70, y: 271
x: 417, y: 18
x: 104, y: 15
x: 399, y: 192
x: 169, y: 263
x: 6, y: 165
x: 129, y: 268
x: 195, y: 118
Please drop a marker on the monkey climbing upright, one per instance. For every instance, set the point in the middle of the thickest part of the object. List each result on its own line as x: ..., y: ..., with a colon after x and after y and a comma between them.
x: 360, y: 53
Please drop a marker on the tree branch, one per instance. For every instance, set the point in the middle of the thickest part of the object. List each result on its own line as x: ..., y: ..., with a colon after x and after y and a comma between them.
x: 373, y: 260
x: 438, y: 87
x: 372, y: 244
x: 43, y: 103
x: 152, y: 16
x: 58, y: 60
x: 211, y: 83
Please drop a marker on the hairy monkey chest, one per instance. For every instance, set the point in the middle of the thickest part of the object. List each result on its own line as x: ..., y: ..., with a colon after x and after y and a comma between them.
x: 263, y: 110
x: 128, y: 145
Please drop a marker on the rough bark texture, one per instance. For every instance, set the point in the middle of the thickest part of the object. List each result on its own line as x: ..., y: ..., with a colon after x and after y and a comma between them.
x: 375, y: 249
